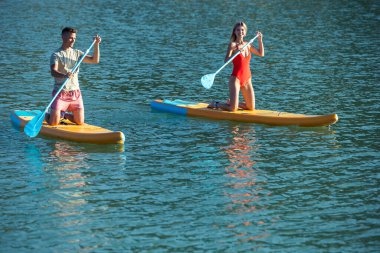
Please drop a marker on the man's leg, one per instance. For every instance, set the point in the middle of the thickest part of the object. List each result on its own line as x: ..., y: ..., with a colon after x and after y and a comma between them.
x: 55, y: 117
x: 77, y: 108
x: 77, y: 117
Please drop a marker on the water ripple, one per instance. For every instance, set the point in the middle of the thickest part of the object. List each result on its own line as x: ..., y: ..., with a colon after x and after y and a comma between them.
x: 188, y: 184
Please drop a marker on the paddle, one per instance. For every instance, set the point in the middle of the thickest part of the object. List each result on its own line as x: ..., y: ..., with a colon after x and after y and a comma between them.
x: 208, y: 80
x: 34, y: 126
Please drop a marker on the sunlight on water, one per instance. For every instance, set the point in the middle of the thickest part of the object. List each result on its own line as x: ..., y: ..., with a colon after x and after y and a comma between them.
x: 189, y: 184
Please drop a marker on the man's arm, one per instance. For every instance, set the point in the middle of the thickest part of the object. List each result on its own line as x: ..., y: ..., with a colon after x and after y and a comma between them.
x: 94, y: 59
x: 55, y: 73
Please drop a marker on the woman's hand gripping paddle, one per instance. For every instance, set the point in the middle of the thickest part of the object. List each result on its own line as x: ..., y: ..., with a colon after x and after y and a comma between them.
x: 208, y: 80
x: 34, y: 126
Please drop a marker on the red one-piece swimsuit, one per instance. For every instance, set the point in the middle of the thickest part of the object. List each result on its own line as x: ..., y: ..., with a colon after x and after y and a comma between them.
x: 241, y: 68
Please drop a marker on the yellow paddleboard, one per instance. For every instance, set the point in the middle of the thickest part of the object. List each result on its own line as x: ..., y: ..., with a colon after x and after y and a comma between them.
x: 68, y: 130
x: 267, y: 117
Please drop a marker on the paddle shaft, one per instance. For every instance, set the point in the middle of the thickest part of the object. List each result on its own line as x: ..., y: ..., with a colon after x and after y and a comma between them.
x: 33, y: 127
x: 67, y: 79
x: 236, y: 54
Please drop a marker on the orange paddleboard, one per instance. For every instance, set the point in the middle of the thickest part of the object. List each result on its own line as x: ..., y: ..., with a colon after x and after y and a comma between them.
x: 267, y: 117
x: 68, y: 130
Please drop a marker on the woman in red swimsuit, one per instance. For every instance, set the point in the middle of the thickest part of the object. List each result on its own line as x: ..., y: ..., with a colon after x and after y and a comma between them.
x: 241, y: 75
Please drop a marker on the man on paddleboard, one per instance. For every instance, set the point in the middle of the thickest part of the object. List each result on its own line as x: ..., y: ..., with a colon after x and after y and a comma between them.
x: 61, y: 62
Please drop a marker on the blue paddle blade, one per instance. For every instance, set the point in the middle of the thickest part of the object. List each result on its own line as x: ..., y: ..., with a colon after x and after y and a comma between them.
x: 34, y: 126
x: 207, y: 80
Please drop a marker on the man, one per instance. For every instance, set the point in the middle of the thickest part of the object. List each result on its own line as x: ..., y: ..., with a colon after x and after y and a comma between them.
x: 61, y: 63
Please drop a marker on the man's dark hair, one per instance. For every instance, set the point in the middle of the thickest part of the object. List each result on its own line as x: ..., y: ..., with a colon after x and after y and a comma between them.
x: 69, y: 30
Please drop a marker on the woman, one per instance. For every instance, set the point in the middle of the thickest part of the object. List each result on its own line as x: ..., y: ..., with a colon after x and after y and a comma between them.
x: 240, y: 78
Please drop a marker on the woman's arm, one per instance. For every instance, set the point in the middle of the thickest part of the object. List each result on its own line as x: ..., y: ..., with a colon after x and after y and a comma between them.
x: 230, y: 50
x: 259, y: 52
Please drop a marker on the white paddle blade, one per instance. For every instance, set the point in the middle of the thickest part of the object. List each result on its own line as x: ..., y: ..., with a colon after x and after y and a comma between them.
x: 34, y: 126
x: 207, y: 80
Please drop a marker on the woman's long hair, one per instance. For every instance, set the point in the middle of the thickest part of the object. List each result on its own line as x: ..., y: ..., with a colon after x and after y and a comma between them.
x: 241, y: 23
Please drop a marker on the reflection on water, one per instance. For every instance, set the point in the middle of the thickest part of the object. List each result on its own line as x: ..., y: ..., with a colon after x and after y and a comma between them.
x: 244, y: 189
x: 65, y: 162
x: 322, y: 183
x: 61, y: 177
x: 68, y: 165
x: 35, y: 167
x: 70, y: 161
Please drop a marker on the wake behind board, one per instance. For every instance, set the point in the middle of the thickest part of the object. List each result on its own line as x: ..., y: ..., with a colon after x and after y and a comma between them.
x: 69, y: 131
x: 267, y: 117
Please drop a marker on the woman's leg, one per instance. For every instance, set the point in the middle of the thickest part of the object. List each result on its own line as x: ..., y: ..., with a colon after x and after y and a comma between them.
x: 248, y: 95
x: 233, y: 103
x: 234, y: 86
